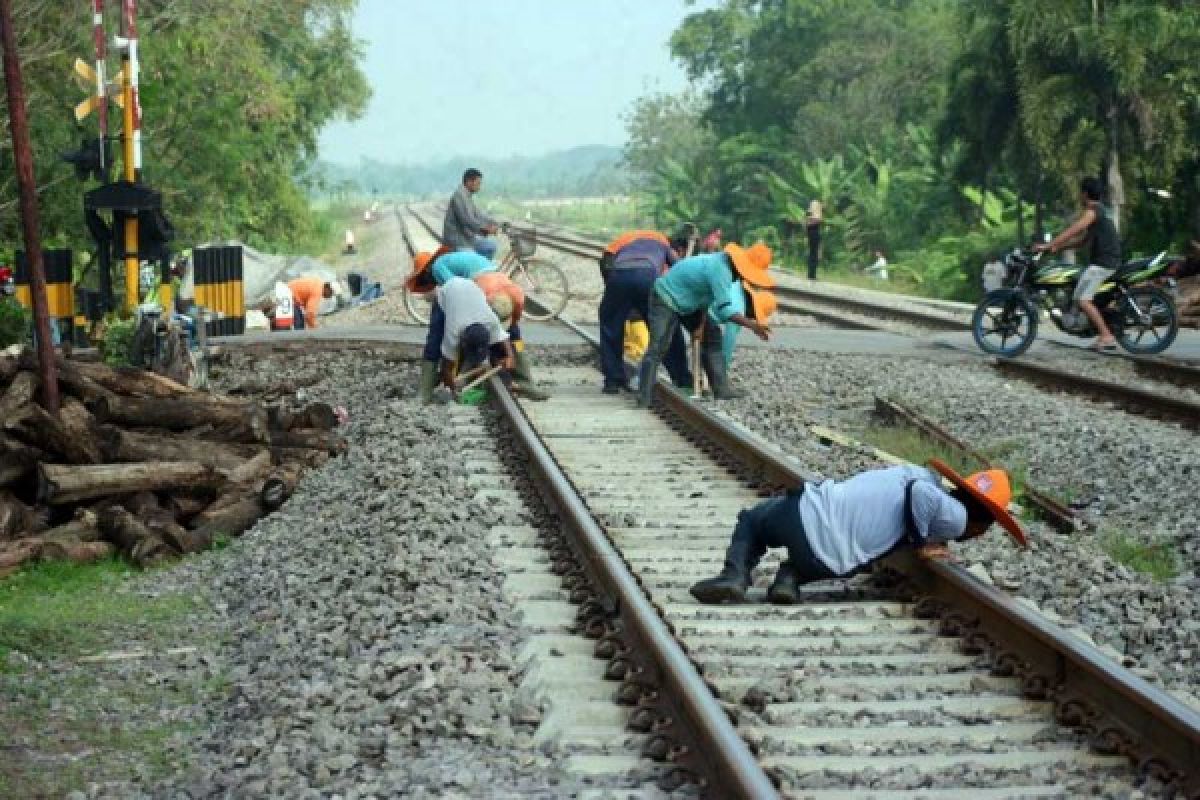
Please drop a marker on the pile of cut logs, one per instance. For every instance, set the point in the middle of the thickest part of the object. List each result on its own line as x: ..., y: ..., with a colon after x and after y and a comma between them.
x: 1189, y: 302
x: 138, y: 464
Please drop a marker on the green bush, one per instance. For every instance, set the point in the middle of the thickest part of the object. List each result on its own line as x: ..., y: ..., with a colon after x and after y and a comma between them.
x: 14, y: 323
x: 118, y: 338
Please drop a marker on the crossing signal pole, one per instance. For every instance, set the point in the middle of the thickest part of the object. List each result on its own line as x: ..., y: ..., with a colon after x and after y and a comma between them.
x: 131, y: 138
x: 27, y: 196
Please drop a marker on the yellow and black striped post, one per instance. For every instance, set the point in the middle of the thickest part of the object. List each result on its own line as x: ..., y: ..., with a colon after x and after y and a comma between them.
x: 60, y: 293
x: 218, y: 278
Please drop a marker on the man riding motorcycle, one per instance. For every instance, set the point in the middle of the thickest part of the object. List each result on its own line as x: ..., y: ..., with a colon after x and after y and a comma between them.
x: 1095, y: 226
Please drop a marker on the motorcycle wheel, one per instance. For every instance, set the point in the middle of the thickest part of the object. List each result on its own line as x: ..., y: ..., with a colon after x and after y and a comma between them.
x: 1004, y: 323
x: 1148, y: 321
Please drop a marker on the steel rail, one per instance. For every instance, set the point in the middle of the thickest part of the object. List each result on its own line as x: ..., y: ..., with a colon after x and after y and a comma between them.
x: 927, y: 319
x: 733, y: 769
x: 1130, y: 398
x: 1122, y: 712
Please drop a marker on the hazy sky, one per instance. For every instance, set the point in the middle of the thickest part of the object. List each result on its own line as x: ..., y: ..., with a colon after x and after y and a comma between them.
x: 500, y: 77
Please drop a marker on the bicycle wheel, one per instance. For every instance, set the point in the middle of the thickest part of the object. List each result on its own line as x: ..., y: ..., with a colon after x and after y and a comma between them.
x: 545, y: 287
x: 417, y: 305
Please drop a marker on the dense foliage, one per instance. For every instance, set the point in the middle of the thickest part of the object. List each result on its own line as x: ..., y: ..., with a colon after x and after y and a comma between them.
x: 936, y: 131
x: 234, y: 94
x: 588, y: 171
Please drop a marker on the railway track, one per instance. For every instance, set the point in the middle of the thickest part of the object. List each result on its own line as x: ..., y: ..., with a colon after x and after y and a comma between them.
x: 864, y: 314
x: 921, y: 682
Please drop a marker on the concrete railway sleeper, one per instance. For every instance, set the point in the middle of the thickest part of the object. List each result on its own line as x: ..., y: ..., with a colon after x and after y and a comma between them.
x: 915, y: 681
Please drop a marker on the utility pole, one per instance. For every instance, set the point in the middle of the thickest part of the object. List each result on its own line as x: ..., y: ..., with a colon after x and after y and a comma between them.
x: 101, y: 78
x: 131, y: 139
x: 27, y: 195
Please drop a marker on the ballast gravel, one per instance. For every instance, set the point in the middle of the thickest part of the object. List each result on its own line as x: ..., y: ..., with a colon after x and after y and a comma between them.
x: 1133, y: 479
x: 358, y: 640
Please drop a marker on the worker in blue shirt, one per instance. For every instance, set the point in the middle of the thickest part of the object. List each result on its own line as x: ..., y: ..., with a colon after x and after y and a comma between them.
x: 684, y: 295
x: 833, y: 529
x: 431, y: 270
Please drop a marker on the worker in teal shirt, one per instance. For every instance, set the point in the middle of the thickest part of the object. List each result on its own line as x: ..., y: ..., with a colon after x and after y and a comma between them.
x: 462, y: 264
x: 685, y: 294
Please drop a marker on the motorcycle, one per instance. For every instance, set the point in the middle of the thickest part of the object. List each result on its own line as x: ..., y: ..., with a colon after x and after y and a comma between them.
x: 1141, y: 317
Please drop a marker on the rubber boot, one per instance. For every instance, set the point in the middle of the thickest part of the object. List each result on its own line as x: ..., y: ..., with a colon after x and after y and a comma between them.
x: 523, y: 378
x: 713, y: 359
x: 730, y: 585
x: 785, y: 589
x: 429, y: 379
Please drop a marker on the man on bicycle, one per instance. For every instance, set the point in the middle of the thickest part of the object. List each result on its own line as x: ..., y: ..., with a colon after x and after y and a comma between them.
x: 630, y: 265
x: 1096, y: 227
x: 465, y: 227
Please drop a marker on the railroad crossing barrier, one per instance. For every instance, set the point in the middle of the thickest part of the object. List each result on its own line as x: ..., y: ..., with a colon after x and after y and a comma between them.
x: 217, y: 275
x: 60, y: 299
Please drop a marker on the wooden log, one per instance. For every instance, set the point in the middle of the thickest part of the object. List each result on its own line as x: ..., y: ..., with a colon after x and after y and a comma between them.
x: 127, y: 446
x: 17, y: 554
x: 51, y: 434
x: 279, y: 486
x: 250, y: 470
x: 16, y: 518
x: 17, y: 459
x: 84, y: 528
x: 18, y: 396
x: 185, y: 541
x: 78, y: 423
x: 139, y: 543
x: 233, y: 519
x: 242, y: 422
x: 312, y: 439
x: 299, y: 455
x: 9, y: 364
x: 60, y: 484
x: 134, y: 381
x: 184, y: 505
x: 315, y: 416
x: 77, y: 552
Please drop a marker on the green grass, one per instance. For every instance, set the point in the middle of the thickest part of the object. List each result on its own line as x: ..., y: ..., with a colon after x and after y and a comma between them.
x: 63, y: 610
x: 1156, y: 559
x: 71, y: 723
x: 912, y: 445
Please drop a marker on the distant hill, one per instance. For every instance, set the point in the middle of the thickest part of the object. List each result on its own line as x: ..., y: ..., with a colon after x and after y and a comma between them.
x: 587, y: 171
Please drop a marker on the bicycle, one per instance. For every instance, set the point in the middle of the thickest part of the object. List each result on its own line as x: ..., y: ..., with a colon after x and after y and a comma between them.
x: 544, y: 282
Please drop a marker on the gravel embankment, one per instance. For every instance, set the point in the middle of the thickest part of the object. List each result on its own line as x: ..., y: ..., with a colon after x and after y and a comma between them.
x: 358, y: 631
x: 1130, y: 476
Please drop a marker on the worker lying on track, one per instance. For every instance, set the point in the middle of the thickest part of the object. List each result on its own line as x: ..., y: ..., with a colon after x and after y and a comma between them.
x: 833, y: 529
x: 474, y: 330
x: 307, y: 294
x: 431, y: 270
x: 685, y: 294
x: 630, y: 265
x: 507, y: 300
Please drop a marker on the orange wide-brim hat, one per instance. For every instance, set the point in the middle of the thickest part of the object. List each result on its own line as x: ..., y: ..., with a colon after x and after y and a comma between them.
x: 991, y: 488
x: 761, y: 302
x: 752, y: 263
x: 420, y: 280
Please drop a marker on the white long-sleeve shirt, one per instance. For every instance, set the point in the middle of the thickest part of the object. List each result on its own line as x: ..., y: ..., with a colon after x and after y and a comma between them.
x: 464, y: 305
x: 850, y: 523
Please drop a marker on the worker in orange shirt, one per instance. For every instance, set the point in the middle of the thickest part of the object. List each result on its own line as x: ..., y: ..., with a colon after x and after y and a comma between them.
x: 495, y: 285
x: 307, y: 294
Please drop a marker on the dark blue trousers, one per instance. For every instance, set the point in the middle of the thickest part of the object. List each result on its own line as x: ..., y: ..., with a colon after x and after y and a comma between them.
x: 776, y: 523
x: 624, y: 291
x: 433, y: 337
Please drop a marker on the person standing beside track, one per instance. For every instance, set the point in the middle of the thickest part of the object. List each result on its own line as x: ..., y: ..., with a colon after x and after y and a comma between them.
x: 431, y: 270
x: 630, y: 265
x: 835, y: 529
x: 685, y: 294
x: 464, y: 227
